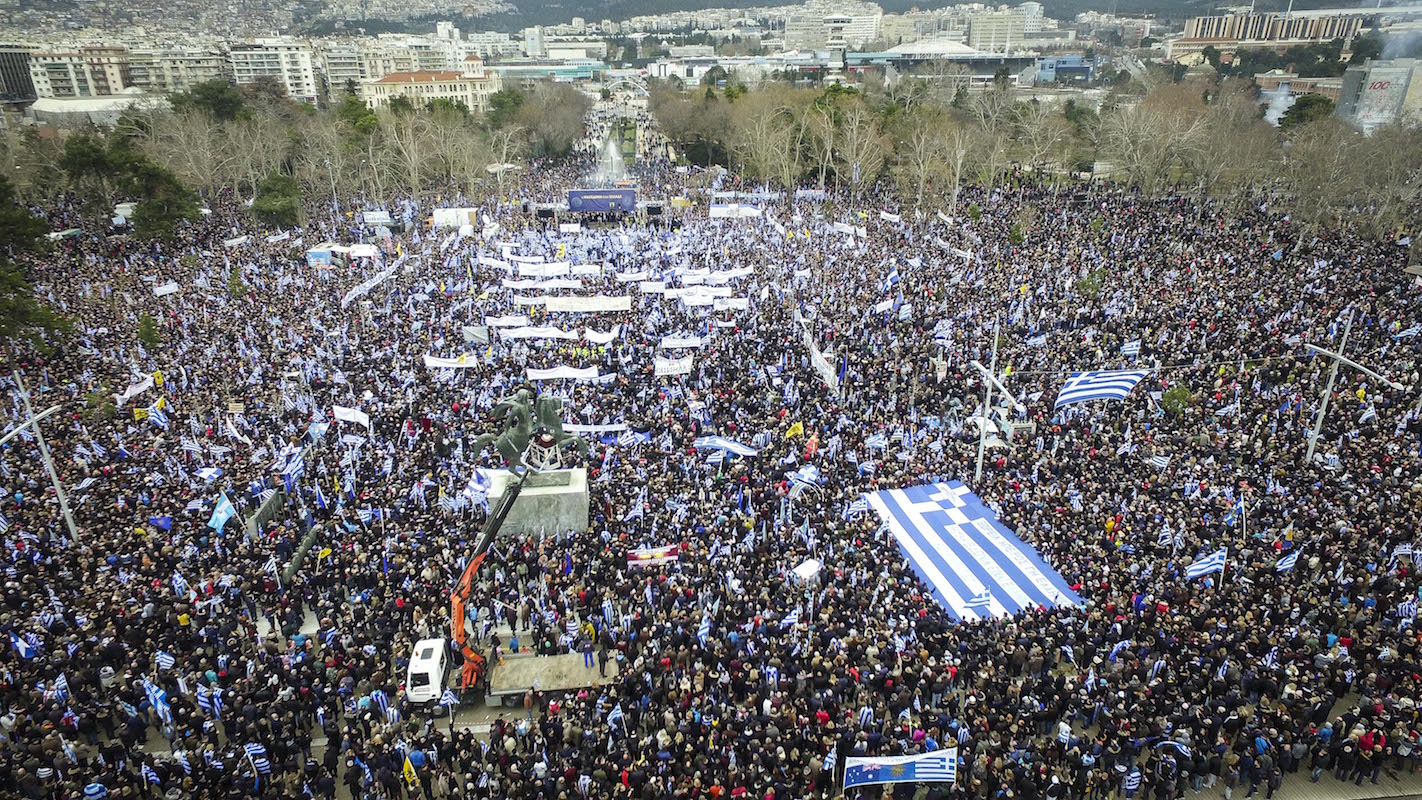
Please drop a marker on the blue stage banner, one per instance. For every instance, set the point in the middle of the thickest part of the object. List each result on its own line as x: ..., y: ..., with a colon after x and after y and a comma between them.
x: 601, y: 200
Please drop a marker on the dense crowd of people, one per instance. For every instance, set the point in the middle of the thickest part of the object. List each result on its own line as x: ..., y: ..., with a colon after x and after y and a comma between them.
x: 165, y: 649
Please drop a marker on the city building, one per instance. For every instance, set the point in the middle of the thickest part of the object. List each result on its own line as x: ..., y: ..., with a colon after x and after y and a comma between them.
x: 1231, y: 32
x: 533, y: 42
x: 1033, y: 20
x: 289, y: 62
x: 1071, y: 68
x: 176, y: 69
x: 809, y: 30
x: 524, y: 72
x: 1283, y: 81
x: 489, y: 44
x: 471, y: 86
x: 94, y: 71
x: 1377, y: 93
x: 340, y: 65
x: 997, y: 32
x: 16, y: 84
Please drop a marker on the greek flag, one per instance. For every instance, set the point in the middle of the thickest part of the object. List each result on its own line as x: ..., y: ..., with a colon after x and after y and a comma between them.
x: 893, y: 278
x: 981, y: 603
x: 209, y: 474
x: 4, y: 523
x: 380, y: 700
x: 793, y: 618
x: 830, y: 758
x: 878, y: 441
x: 1132, y: 781
x: 808, y: 475
x: 626, y: 439
x: 1407, y: 609
x: 936, y: 766
x: 1410, y: 332
x: 158, y: 416
x: 1160, y: 462
x: 1082, y: 387
x: 1287, y: 562
x: 716, y: 458
x: 856, y: 507
x: 1271, y: 658
x: 448, y: 698
x: 149, y: 775
x: 636, y: 511
x: 1179, y: 747
x: 1131, y: 349
x: 1232, y: 515
x: 703, y: 631
x: 61, y: 687
x: 615, y: 717
x: 253, y: 749
x: 1214, y: 562
x: 165, y: 661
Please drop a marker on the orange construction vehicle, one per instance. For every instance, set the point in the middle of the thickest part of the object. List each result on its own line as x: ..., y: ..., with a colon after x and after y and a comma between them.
x: 475, y: 665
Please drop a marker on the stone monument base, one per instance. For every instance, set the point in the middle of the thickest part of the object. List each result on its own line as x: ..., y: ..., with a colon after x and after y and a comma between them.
x: 551, y: 502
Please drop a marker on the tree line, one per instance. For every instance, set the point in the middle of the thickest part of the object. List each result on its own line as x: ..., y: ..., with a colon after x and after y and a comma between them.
x: 264, y: 149
x: 926, y: 135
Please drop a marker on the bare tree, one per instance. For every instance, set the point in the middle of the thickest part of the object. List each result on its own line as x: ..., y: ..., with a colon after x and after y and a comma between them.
x: 1041, y: 131
x: 863, y: 147
x: 960, y: 141
x: 923, y: 150
x: 408, y: 134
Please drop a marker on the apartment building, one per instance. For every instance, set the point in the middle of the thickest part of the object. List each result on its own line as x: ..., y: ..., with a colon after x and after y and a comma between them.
x: 289, y: 62
x: 92, y: 71
x: 176, y: 69
x: 471, y: 86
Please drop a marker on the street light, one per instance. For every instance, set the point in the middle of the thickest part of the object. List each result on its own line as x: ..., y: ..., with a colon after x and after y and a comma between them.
x: 987, y: 404
x: 1338, y: 358
x: 32, y: 420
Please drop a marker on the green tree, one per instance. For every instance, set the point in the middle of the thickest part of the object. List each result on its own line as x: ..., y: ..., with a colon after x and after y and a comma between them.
x: 21, y: 313
x: 218, y: 99
x: 1307, y: 108
x: 1176, y: 399
x: 278, y: 201
x: 1366, y: 47
x: 163, y: 201
x: 714, y: 76
x: 503, y: 105
x: 148, y: 332
x: 445, y: 105
x: 235, y: 284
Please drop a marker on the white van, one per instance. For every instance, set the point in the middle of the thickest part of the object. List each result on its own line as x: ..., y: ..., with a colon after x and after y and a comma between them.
x: 424, y: 681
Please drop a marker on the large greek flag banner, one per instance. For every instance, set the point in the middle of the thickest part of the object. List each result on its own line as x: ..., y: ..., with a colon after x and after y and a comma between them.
x: 962, y: 552
x: 939, y: 765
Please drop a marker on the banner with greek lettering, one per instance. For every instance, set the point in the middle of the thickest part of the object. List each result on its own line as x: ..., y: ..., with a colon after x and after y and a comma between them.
x: 485, y: 261
x: 133, y: 390
x: 732, y: 303
x: 589, y: 305
x: 587, y: 269
x: 706, y: 291
x: 652, y: 287
x: 672, y: 366
x: 237, y: 242
x: 547, y: 285
x: 629, y: 277
x: 278, y: 237
x: 733, y: 211
x: 465, y: 361
x: 165, y: 289
x: 365, y: 286
x: 728, y: 275
x: 673, y: 342
x: 524, y: 259
x: 555, y: 269
x: 536, y: 333
x: 887, y: 217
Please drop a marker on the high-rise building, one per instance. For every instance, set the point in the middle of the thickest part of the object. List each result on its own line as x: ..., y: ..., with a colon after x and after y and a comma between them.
x: 176, y: 69
x: 93, y: 71
x: 16, y: 85
x: 287, y: 61
x: 997, y: 32
x: 1377, y: 93
x: 533, y: 42
x: 1032, y: 16
x: 1232, y: 32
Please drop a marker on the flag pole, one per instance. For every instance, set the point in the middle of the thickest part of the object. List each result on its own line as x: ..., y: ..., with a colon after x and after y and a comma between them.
x: 987, y: 406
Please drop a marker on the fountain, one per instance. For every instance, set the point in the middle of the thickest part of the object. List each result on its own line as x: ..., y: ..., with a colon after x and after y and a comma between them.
x: 610, y: 167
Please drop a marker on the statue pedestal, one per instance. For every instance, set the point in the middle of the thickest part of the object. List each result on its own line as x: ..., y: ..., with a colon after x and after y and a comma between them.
x: 552, y: 502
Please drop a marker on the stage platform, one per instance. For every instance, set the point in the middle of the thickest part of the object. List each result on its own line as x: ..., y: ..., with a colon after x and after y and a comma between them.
x: 513, y: 678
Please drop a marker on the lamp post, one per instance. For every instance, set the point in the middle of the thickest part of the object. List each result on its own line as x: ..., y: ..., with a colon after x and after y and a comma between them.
x: 1338, y: 358
x: 32, y: 420
x: 987, y: 404
x: 335, y: 206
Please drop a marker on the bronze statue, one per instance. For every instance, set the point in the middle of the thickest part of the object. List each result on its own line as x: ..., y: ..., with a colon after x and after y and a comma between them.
x: 527, y: 420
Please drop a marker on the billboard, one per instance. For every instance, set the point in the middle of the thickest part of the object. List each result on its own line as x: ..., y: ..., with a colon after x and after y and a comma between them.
x: 1381, y: 95
x: 601, y: 200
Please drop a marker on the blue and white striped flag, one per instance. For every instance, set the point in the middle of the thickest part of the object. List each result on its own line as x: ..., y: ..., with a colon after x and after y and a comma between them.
x: 149, y: 776
x: 1214, y: 562
x: 615, y: 717
x: 1131, y: 348
x: 981, y: 603
x: 1082, y: 387
x: 791, y: 619
x: 1410, y: 332
x: 703, y: 631
x: 209, y: 474
x: 857, y: 506
x: 1287, y: 562
x: 448, y: 698
x: 165, y: 660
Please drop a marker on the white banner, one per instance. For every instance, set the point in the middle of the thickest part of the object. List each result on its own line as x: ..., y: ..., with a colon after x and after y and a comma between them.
x: 732, y: 303
x: 587, y: 269
x: 447, y: 217
x: 475, y: 334
x: 278, y: 237
x: 572, y: 427
x: 548, y: 285
x: 237, y: 242
x: 705, y: 291
x: 628, y: 277
x: 887, y: 217
x: 695, y: 300
x: 376, y: 217
x: 733, y: 211
x: 352, y: 415
x: 652, y: 287
x: 524, y: 259
x: 672, y: 366
x: 529, y: 301
x: 536, y: 333
x: 672, y: 342
x: 563, y: 373
x: 465, y: 361
x: 485, y: 261
x: 165, y: 289
x: 556, y: 269
x: 598, y: 337
x: 589, y: 305
x: 133, y: 390
x: 728, y: 275
x: 511, y: 321
x: 570, y: 227
x: 370, y: 283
